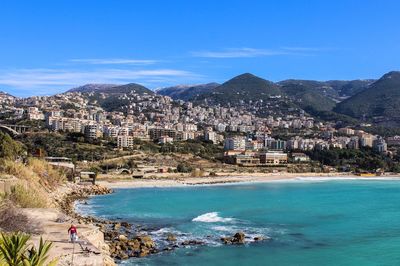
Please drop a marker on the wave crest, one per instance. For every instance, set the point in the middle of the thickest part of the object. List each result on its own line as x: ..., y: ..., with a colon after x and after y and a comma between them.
x: 212, y: 217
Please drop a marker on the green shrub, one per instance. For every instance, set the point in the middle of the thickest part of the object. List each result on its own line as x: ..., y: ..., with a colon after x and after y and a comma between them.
x: 184, y: 168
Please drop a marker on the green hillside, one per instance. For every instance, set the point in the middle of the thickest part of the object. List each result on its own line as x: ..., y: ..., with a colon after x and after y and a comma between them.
x: 382, y: 98
x: 308, y: 98
x: 114, y: 98
x: 127, y: 88
x: 242, y: 88
x: 187, y: 92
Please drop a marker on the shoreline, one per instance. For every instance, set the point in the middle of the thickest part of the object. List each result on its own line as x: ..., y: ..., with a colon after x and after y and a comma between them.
x: 236, y: 179
x: 147, y: 246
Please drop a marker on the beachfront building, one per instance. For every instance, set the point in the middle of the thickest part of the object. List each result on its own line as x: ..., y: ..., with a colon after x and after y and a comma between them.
x: 273, y: 158
x: 247, y: 160
x: 235, y: 143
x: 300, y: 157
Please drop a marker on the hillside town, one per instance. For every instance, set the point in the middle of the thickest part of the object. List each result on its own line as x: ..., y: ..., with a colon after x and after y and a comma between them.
x: 247, y: 140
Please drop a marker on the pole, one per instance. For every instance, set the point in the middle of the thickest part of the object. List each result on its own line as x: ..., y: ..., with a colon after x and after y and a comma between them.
x: 73, y: 251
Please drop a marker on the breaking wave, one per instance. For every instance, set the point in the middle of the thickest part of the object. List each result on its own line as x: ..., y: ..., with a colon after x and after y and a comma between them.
x: 212, y: 217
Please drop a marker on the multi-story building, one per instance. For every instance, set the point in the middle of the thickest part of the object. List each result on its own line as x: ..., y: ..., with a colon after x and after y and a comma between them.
x: 124, y: 141
x: 380, y: 145
x: 235, y: 143
x: 93, y: 131
x: 157, y: 133
x: 273, y: 158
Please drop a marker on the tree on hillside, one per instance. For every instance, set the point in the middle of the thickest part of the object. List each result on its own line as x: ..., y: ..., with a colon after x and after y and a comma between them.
x: 9, y: 148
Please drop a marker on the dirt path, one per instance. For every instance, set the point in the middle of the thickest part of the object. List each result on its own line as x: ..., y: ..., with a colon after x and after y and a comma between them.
x: 48, y: 223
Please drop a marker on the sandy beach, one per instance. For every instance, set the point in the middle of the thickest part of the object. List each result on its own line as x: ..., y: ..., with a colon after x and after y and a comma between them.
x: 227, y: 179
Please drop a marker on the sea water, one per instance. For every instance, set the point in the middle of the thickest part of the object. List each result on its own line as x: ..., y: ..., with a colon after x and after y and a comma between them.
x: 307, y: 223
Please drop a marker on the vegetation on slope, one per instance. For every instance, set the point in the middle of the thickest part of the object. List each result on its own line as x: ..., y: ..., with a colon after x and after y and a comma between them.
x: 70, y: 145
x: 382, y: 98
x: 308, y: 98
x: 364, y: 159
x: 35, y: 179
x: 242, y: 88
x: 186, y: 93
x: 9, y: 148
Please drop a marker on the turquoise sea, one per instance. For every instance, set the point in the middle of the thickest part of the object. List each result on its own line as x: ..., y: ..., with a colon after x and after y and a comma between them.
x: 310, y: 223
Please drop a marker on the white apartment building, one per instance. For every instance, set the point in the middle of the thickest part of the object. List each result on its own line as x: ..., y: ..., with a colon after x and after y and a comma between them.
x: 124, y: 141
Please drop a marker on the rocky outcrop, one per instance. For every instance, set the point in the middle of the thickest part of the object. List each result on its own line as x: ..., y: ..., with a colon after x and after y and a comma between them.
x: 139, y: 246
x: 238, y: 238
x: 171, y: 238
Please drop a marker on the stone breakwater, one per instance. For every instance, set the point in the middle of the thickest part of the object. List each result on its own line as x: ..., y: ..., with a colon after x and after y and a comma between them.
x: 124, y: 240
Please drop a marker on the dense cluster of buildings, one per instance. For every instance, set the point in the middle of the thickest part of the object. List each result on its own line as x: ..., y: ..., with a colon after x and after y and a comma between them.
x: 246, y: 137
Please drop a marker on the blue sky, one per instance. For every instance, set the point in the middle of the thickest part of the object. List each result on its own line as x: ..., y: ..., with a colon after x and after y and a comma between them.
x: 49, y: 46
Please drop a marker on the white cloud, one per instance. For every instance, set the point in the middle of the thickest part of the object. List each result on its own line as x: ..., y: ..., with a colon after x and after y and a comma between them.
x: 253, y: 52
x: 48, y: 81
x: 238, y: 53
x: 113, y: 61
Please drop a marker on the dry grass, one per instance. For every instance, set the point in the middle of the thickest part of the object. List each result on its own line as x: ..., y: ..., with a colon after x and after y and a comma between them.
x: 18, y: 170
x: 198, y: 173
x: 27, y: 197
x: 37, y: 179
x: 48, y: 175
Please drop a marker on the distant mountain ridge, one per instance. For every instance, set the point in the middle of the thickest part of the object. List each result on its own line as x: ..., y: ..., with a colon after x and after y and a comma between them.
x: 112, y: 88
x: 334, y: 89
x: 3, y: 93
x: 92, y: 87
x: 380, y: 99
x: 187, y: 92
x: 243, y: 88
x: 365, y: 99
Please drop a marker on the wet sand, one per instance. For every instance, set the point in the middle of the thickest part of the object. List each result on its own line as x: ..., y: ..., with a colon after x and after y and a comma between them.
x: 247, y: 178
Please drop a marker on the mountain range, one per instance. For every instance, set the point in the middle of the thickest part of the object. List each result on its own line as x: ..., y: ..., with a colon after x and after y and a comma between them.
x: 379, y: 101
x: 187, y: 92
x: 112, y: 88
x: 367, y: 100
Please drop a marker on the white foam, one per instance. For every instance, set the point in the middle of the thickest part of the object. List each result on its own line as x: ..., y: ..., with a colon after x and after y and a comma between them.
x: 212, y: 217
x: 223, y: 228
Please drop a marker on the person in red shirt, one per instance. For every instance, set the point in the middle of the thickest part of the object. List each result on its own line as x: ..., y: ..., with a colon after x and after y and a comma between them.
x: 73, y: 233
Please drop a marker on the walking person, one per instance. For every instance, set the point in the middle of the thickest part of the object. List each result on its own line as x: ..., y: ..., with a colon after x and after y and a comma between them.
x: 73, y: 233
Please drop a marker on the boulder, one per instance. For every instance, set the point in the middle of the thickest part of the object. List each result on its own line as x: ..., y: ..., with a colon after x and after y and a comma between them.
x: 258, y: 238
x: 144, y: 251
x: 117, y: 226
x: 171, y: 238
x: 125, y: 224
x: 122, y: 256
x: 123, y: 238
x: 146, y: 241
x: 226, y: 240
x: 134, y: 244
x: 239, y: 238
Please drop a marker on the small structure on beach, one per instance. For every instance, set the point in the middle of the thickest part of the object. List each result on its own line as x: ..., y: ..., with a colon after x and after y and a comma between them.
x: 87, y: 177
x: 137, y: 175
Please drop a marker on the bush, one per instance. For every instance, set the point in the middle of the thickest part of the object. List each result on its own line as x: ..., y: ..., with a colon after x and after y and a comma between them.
x: 184, y: 168
x: 49, y: 176
x: 27, y: 197
x: 15, y: 249
x: 197, y: 173
x: 9, y: 148
x: 36, y: 171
